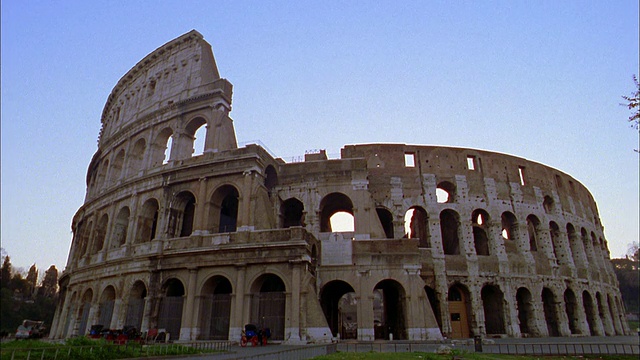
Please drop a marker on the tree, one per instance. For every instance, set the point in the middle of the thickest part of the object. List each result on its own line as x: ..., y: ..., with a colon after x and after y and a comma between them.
x: 633, y: 103
x: 50, y: 283
x: 5, y: 272
x: 32, y: 278
x: 628, y: 273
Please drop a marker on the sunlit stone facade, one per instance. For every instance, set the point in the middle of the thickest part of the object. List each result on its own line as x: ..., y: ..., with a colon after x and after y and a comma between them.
x: 445, y: 242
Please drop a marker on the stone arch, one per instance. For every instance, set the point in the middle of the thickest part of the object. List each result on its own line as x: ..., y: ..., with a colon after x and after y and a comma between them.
x: 100, y: 234
x: 416, y: 224
x: 270, y: 178
x: 116, y: 167
x: 182, y: 214
x: 526, y: 316
x: 533, y: 228
x: 224, y: 209
x: 268, y: 304
x: 459, y: 303
x: 386, y: 221
x: 548, y: 204
x: 105, y: 307
x: 339, y: 305
x: 136, y: 157
x: 170, y: 307
x: 292, y: 213
x: 590, y: 311
x: 450, y: 230
x: 135, y: 305
x: 148, y: 221
x: 215, y: 308
x: 571, y: 305
x: 492, y: 303
x: 161, y: 147
x: 588, y: 250
x: 554, y: 233
x: 572, y: 238
x: 102, y: 175
x: 480, y: 224
x: 434, y: 302
x: 83, y: 311
x: 509, y: 231
x: 332, y: 204
x: 196, y: 132
x: 391, y: 311
x: 549, y: 305
x: 445, y: 192
x: 120, y: 227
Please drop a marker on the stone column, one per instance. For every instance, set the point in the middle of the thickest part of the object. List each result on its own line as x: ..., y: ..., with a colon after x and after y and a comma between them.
x: 244, y: 208
x: 512, y: 323
x: 200, y: 221
x: 187, y: 328
x: 365, y: 308
x: 236, y: 321
x: 292, y: 334
x: 119, y: 315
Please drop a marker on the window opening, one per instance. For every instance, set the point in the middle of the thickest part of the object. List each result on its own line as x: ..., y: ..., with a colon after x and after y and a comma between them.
x: 342, y: 221
x: 521, y: 173
x: 409, y: 160
x: 167, y: 151
x: 471, y: 162
x: 386, y: 220
x: 198, y: 140
x: 445, y: 192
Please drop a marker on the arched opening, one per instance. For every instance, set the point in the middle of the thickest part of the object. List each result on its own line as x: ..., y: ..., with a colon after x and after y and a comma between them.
x: 572, y: 238
x: 161, y: 147
x: 224, y: 206
x: 554, y: 233
x: 525, y: 311
x: 135, y: 307
x: 181, y: 214
x: 509, y: 231
x: 603, y: 313
x: 571, y: 305
x: 120, y: 227
x: 215, y: 309
x: 85, y: 235
x: 198, y: 140
x: 339, y: 305
x: 116, y: 168
x: 492, y: 303
x: 450, y: 230
x: 549, y: 305
x: 533, y: 228
x: 292, y: 211
x: 479, y: 220
x: 105, y: 308
x: 616, y: 321
x: 416, y: 226
x: 586, y: 244
x: 548, y: 204
x: 268, y: 304
x: 459, y: 310
x: 389, y: 310
x: 148, y: 221
x: 83, y: 312
x: 100, y: 233
x: 386, y: 220
x: 445, y: 192
x: 102, y: 175
x: 331, y: 205
x: 270, y: 178
x: 590, y: 311
x: 170, y: 307
x: 434, y: 302
x: 136, y: 157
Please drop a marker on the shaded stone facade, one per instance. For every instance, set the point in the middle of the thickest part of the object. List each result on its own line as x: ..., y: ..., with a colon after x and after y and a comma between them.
x: 444, y: 242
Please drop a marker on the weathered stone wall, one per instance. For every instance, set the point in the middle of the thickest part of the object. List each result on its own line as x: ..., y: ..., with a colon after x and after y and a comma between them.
x: 444, y: 241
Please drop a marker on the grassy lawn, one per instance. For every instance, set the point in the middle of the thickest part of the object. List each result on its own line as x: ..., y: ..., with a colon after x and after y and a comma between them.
x: 470, y: 356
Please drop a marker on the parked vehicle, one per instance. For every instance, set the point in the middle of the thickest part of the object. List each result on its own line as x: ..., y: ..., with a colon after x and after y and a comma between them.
x: 31, y: 329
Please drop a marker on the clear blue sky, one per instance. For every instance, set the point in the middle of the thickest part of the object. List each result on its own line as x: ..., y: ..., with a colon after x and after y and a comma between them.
x: 538, y: 79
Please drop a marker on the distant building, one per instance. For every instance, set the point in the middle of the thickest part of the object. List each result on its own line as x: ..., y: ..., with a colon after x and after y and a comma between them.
x: 444, y: 241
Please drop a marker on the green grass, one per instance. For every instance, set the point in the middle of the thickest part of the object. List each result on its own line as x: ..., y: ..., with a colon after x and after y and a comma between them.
x: 468, y: 356
x: 87, y: 349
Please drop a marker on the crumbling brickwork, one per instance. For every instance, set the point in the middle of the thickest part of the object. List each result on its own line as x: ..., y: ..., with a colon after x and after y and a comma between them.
x: 441, y: 241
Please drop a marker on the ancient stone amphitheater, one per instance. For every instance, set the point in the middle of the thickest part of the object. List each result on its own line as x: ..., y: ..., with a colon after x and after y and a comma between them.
x: 433, y: 241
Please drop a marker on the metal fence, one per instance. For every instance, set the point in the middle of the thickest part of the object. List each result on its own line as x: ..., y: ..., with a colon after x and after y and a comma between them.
x: 510, y: 349
x: 72, y: 352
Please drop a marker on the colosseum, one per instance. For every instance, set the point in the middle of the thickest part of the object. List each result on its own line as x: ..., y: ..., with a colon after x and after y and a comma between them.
x: 389, y: 241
